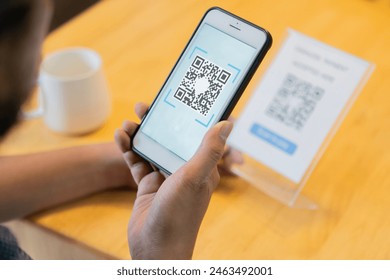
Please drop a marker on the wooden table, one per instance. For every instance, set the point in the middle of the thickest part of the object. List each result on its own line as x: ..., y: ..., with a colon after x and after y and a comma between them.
x: 140, y: 41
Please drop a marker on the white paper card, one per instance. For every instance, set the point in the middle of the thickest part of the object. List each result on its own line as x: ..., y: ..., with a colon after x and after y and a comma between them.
x: 297, y: 103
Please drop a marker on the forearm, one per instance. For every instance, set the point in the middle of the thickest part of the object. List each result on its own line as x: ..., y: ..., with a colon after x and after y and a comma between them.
x: 34, y: 182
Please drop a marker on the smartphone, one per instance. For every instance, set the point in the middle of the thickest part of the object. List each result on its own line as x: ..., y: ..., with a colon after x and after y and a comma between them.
x: 202, y: 88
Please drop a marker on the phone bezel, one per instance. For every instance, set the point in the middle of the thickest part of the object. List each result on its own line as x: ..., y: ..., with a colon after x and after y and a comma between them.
x: 234, y: 26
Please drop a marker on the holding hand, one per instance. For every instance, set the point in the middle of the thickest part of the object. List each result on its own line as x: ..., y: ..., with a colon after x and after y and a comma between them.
x: 168, y: 212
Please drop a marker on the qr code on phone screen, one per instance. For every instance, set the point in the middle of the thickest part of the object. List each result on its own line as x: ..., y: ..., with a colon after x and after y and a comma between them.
x: 201, y: 85
x: 294, y: 102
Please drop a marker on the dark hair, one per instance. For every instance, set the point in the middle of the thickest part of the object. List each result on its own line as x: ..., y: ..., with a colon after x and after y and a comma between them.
x: 9, y: 115
x: 12, y: 15
x: 13, y: 19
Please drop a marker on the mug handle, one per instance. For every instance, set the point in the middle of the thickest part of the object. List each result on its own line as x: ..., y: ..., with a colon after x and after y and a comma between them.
x: 36, y: 113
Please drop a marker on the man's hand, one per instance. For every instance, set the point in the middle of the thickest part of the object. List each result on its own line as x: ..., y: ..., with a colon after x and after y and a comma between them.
x: 168, y: 212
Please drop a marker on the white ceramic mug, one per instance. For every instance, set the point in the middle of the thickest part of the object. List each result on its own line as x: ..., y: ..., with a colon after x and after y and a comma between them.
x: 74, y: 96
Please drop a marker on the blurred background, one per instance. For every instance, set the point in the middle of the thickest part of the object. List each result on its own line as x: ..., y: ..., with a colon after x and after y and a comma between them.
x: 66, y: 9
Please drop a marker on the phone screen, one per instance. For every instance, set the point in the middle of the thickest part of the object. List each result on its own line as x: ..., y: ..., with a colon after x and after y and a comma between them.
x: 198, y: 90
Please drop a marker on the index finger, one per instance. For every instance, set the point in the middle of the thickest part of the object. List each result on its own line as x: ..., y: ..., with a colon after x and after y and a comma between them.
x: 139, y: 168
x: 141, y: 109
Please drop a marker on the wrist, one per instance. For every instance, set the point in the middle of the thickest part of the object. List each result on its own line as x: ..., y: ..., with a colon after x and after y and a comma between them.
x: 113, y: 169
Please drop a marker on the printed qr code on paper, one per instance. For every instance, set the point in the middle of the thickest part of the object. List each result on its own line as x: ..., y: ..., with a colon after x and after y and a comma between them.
x: 294, y: 102
x: 201, y: 85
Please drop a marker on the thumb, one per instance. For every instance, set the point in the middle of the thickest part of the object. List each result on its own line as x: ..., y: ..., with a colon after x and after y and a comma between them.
x: 211, y: 149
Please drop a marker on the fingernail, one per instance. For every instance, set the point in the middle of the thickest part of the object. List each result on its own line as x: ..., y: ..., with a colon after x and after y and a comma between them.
x: 225, y: 130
